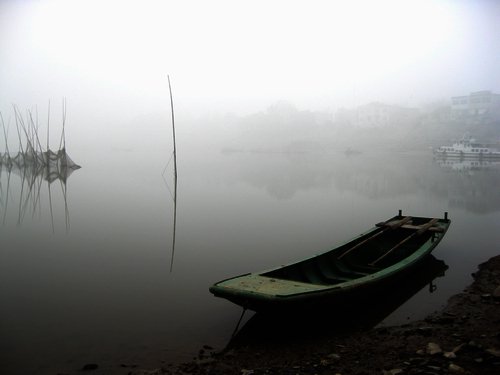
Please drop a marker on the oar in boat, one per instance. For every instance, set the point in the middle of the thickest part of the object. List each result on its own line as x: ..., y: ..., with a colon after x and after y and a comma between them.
x: 422, y: 229
x: 387, y: 226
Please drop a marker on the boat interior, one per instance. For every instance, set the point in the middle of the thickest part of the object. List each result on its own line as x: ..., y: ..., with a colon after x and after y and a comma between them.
x: 387, y: 244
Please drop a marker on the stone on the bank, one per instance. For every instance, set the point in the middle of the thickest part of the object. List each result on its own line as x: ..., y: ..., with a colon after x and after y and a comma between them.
x: 474, y: 344
x: 434, y: 368
x: 330, y: 359
x: 493, y: 352
x: 157, y: 371
x: 433, y: 348
x: 449, y: 355
x: 334, y: 356
x: 455, y: 368
x: 474, y: 298
x: 394, y: 371
x: 246, y: 372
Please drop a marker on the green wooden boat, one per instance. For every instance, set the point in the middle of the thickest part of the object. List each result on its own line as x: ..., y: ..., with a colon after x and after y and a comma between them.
x: 375, y: 257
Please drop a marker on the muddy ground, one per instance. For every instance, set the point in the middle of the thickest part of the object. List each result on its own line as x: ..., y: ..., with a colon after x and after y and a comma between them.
x: 463, y: 338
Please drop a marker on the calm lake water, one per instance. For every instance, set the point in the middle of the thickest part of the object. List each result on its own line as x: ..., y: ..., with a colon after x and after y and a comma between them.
x: 98, y: 281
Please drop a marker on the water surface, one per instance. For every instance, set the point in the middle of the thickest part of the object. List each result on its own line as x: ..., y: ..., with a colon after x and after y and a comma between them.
x: 98, y: 281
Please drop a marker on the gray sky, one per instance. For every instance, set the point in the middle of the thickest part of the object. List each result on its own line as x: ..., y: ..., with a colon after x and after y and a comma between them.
x: 241, y: 56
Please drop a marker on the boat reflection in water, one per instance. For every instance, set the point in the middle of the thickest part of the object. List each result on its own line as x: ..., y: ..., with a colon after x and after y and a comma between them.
x: 469, y: 184
x: 354, y: 313
x: 465, y: 165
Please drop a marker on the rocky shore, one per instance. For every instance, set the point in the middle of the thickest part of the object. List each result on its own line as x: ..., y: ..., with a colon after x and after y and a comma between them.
x: 463, y: 338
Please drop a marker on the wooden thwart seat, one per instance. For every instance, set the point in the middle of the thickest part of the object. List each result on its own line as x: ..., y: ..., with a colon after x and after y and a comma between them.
x: 393, y: 224
x: 417, y: 227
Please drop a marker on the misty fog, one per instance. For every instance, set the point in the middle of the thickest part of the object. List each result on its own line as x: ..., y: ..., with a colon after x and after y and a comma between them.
x: 112, y: 57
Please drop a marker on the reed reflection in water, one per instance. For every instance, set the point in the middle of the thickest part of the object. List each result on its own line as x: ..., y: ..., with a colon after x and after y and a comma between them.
x: 33, y: 166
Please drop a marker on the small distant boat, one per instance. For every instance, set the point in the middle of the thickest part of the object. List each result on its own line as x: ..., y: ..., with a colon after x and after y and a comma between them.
x: 468, y: 148
x: 379, y: 255
x: 351, y: 152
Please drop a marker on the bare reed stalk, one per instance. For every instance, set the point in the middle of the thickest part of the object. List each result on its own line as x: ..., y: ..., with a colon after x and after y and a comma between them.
x: 5, y: 135
x: 63, y: 134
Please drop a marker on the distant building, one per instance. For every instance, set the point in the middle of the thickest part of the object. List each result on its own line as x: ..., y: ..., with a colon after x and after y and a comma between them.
x: 479, y: 107
x: 377, y: 114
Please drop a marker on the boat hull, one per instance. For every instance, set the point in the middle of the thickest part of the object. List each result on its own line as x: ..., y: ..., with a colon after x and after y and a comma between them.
x: 357, y: 312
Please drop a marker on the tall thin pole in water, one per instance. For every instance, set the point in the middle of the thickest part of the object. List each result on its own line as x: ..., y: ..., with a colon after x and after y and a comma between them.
x: 175, y: 174
x: 173, y: 128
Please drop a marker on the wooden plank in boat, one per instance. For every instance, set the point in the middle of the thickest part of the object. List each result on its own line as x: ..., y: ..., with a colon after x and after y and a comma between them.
x: 408, y: 225
x: 393, y: 224
x: 418, y: 227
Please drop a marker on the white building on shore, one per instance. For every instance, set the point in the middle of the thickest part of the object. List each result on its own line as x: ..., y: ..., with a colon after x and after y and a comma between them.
x: 480, y: 107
